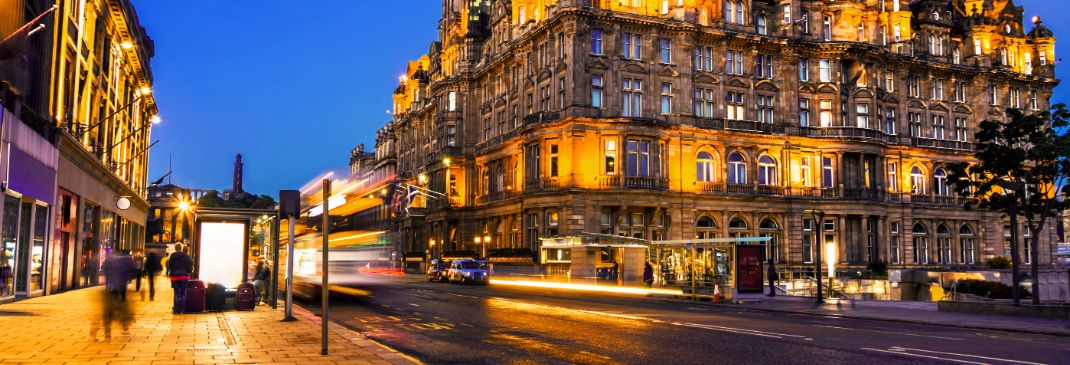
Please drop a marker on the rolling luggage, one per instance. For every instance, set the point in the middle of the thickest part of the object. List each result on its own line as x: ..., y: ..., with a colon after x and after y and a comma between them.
x: 195, y: 296
x: 216, y: 298
x: 246, y: 297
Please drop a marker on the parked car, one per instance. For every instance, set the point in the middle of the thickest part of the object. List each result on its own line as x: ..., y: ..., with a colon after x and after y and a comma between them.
x: 438, y: 270
x: 469, y: 271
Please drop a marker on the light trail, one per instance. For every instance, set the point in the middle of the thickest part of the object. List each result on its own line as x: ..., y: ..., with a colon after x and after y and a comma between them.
x: 587, y: 287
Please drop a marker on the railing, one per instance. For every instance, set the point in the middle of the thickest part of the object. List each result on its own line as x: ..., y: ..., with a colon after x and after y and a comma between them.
x: 941, y: 143
x: 710, y: 187
x: 632, y: 182
x: 740, y: 189
x: 771, y: 190
x: 709, y: 123
x: 753, y: 126
x: 644, y: 182
x: 541, y: 117
x: 497, y: 140
x: 546, y: 183
x: 848, y: 132
x: 862, y: 194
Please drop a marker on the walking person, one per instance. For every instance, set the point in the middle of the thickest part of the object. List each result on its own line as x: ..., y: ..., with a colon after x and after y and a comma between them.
x: 118, y: 270
x: 139, y: 267
x: 648, y: 274
x: 179, y: 268
x: 152, y: 268
x: 772, y: 274
x: 261, y: 279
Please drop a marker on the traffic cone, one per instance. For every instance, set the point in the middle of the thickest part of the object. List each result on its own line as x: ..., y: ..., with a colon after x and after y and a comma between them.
x: 716, y: 293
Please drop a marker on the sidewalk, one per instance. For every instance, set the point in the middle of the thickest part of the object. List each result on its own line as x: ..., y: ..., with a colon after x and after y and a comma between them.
x: 56, y: 329
x: 904, y: 312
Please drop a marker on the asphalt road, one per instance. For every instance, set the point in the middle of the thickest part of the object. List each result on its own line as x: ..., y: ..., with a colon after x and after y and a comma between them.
x: 447, y: 323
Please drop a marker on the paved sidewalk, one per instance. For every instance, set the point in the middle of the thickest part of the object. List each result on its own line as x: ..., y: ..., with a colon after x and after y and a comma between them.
x: 57, y: 329
x: 905, y: 312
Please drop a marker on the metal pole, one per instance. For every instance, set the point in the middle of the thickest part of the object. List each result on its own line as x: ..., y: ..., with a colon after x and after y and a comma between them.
x: 275, y: 262
x: 1015, y: 275
x: 818, y: 227
x: 290, y: 271
x: 324, y: 292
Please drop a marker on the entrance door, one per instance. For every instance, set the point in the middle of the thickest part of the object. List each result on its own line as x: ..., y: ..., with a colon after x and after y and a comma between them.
x: 23, y: 263
x: 749, y: 269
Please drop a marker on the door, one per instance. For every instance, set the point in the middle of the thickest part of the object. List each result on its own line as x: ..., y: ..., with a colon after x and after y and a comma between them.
x: 749, y: 269
x: 23, y: 263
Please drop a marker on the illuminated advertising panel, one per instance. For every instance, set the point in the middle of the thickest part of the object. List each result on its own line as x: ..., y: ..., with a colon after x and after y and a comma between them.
x: 221, y: 253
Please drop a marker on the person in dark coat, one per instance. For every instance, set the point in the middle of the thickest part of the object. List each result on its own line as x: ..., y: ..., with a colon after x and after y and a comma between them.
x: 179, y: 267
x: 118, y: 270
x: 772, y: 274
x: 152, y: 268
x: 648, y: 274
x: 261, y: 280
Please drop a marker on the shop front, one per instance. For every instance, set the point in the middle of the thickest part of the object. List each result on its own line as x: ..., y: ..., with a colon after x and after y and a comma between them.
x: 594, y: 258
x: 98, y: 213
x: 28, y: 167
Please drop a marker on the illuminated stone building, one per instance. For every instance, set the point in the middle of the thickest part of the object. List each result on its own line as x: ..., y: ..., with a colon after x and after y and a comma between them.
x: 82, y: 80
x: 682, y: 119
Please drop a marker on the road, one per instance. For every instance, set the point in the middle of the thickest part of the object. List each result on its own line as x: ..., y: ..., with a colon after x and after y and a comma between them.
x: 443, y: 323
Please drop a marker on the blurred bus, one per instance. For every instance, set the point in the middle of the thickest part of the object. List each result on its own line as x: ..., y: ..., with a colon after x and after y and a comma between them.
x: 358, y: 260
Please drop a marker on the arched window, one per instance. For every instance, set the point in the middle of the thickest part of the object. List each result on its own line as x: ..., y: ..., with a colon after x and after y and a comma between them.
x: 729, y: 11
x: 767, y: 171
x: 705, y: 228
x: 940, y: 177
x: 769, y: 228
x: 967, y: 245
x: 760, y: 21
x: 737, y: 169
x: 921, y: 244
x: 704, y: 167
x: 943, y: 244
x: 739, y: 13
x: 737, y: 227
x: 917, y: 181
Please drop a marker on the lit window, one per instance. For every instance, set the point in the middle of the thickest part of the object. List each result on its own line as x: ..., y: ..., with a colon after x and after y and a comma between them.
x: 825, y: 71
x: 735, y: 108
x: 827, y: 27
x: 826, y: 113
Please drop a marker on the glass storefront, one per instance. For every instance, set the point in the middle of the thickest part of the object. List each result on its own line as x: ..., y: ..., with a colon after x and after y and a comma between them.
x: 89, y: 260
x: 8, y: 245
x: 37, y: 248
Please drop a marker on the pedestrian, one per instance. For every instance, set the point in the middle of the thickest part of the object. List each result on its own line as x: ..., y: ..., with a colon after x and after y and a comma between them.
x: 261, y: 280
x: 139, y: 267
x: 772, y: 274
x: 118, y: 270
x: 179, y: 268
x: 152, y: 268
x: 648, y: 274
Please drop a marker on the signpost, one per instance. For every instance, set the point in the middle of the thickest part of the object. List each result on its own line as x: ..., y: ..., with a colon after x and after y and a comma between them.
x: 290, y: 206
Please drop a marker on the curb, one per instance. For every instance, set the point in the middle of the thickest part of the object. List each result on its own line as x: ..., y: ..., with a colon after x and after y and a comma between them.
x: 302, y: 312
x: 894, y: 320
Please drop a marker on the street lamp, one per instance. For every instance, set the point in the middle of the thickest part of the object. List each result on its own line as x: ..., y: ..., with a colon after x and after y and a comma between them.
x: 819, y: 219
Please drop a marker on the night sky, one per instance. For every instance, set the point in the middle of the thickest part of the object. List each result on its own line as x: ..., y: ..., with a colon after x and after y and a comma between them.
x: 295, y: 85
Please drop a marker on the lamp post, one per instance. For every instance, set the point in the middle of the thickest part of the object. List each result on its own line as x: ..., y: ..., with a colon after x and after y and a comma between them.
x: 479, y: 241
x: 819, y: 218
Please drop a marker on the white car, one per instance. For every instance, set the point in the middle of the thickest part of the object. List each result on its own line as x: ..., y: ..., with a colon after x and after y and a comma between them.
x: 469, y: 271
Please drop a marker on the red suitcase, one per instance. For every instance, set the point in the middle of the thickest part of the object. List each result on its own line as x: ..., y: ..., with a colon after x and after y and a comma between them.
x: 245, y: 299
x: 195, y: 294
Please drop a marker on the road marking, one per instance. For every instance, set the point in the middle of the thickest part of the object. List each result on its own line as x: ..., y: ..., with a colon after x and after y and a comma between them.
x: 965, y: 355
x: 923, y: 356
x: 891, y: 332
x: 414, y: 304
x: 742, y: 331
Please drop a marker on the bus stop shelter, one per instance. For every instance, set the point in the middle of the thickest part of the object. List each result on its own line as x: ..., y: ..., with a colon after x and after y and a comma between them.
x: 705, y: 268
x: 228, y: 242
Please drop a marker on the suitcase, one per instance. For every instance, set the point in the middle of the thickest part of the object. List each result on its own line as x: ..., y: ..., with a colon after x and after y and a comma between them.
x: 216, y: 298
x: 195, y: 296
x: 245, y: 299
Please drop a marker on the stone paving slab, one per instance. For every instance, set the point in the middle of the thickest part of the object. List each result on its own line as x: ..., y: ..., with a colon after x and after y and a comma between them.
x: 65, y: 329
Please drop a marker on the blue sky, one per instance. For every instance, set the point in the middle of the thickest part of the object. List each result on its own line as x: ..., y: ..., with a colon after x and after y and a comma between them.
x: 295, y: 85
x: 292, y: 85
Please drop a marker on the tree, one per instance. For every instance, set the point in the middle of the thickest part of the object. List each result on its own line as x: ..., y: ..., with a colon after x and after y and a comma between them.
x: 1022, y: 168
x: 263, y: 202
x: 211, y: 199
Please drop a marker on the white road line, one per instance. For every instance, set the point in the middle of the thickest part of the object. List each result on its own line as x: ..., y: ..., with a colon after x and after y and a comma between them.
x: 891, y: 332
x: 738, y: 330
x: 414, y: 304
x: 924, y: 356
x: 967, y: 355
